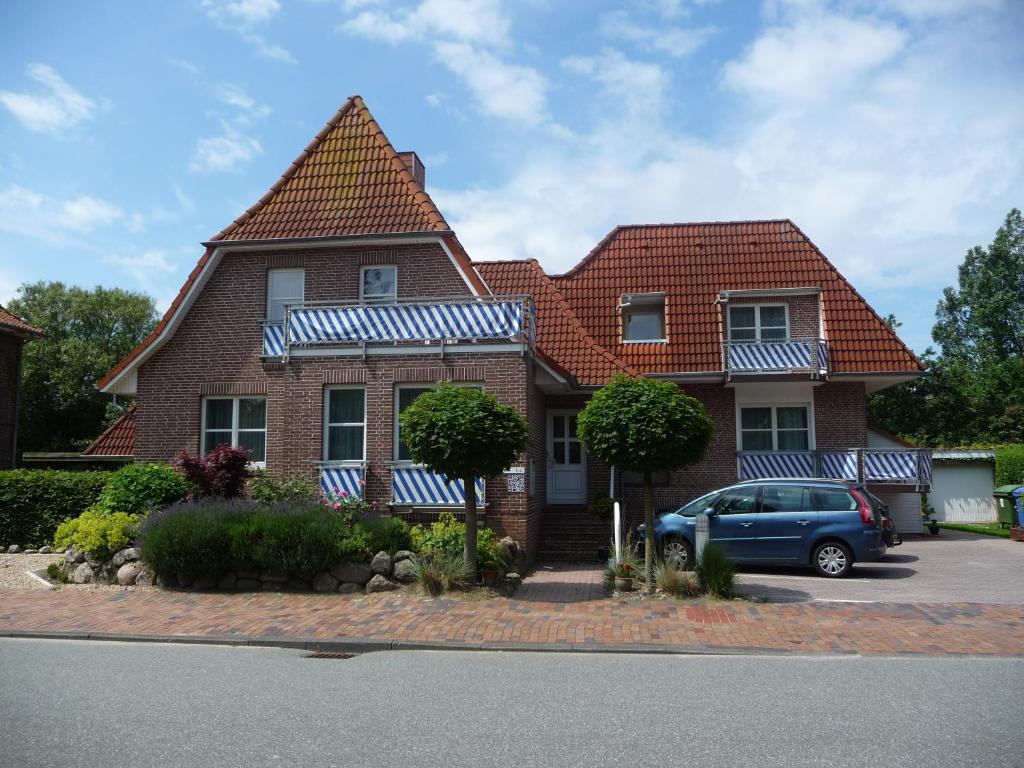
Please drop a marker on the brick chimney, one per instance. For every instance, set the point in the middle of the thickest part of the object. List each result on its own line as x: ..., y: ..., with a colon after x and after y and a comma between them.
x: 414, y: 165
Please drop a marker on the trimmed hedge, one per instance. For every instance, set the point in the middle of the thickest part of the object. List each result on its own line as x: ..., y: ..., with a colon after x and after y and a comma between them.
x: 1010, y: 465
x: 33, y: 502
x: 206, y: 539
x: 136, y: 487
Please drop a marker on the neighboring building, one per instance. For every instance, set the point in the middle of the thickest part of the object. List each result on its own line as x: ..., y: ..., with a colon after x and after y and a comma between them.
x: 321, y: 312
x: 117, y: 443
x: 14, y: 332
x: 964, y: 485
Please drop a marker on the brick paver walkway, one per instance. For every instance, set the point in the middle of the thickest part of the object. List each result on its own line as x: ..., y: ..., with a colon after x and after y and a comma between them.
x: 562, y: 583
x: 402, y: 618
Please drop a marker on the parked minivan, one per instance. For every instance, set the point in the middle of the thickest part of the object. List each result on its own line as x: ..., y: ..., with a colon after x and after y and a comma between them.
x: 826, y: 524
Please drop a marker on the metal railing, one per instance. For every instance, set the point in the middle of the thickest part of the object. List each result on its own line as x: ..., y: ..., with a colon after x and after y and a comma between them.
x: 438, y: 320
x: 797, y: 355
x: 899, y: 466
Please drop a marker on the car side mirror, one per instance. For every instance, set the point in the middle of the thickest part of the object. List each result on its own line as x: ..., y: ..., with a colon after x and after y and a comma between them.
x: 711, y: 512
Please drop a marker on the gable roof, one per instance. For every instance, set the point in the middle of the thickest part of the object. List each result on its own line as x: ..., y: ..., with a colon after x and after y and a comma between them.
x: 117, y: 440
x: 11, y: 323
x: 349, y: 181
x: 692, y: 263
x: 560, y: 335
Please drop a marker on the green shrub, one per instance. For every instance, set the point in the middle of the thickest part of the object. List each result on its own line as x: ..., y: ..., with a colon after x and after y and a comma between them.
x: 1010, y: 465
x: 33, y: 502
x: 439, y: 571
x: 673, y: 581
x: 388, y: 534
x: 448, y: 534
x: 214, y: 536
x: 715, y: 572
x: 270, y: 490
x: 603, y: 507
x: 97, y: 532
x: 137, y: 487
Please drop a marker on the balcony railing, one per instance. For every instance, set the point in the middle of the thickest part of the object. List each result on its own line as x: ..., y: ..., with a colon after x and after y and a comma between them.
x: 341, y: 479
x: 808, y: 355
x: 906, y: 466
x: 413, y: 486
x: 465, y: 318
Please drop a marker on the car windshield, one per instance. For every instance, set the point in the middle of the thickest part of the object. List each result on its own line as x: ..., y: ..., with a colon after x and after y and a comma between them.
x: 697, y: 506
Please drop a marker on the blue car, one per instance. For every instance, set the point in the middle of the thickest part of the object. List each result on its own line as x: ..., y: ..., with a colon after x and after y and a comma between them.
x: 828, y: 525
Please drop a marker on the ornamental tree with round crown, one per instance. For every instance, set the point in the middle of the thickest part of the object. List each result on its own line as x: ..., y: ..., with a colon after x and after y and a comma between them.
x: 463, y: 433
x: 645, y: 426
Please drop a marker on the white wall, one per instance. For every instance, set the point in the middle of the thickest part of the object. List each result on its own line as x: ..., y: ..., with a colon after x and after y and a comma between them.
x: 962, y: 491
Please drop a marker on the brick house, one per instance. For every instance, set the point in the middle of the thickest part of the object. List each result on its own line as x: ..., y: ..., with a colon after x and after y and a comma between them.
x: 14, y: 332
x: 321, y: 312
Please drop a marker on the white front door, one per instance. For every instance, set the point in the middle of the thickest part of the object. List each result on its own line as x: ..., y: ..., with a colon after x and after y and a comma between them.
x: 567, y: 471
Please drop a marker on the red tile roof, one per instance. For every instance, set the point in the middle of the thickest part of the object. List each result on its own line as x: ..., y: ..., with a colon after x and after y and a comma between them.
x: 11, y: 323
x: 348, y: 181
x: 692, y: 263
x: 560, y: 336
x: 117, y: 440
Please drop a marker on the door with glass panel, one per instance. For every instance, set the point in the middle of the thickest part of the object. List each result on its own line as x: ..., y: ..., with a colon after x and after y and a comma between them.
x: 567, y: 471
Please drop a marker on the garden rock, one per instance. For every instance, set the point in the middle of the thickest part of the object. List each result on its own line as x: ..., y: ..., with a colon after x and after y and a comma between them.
x: 83, y: 574
x: 31, y: 551
x: 45, y: 550
x: 274, y: 577
x: 126, y: 555
x: 128, y: 573
x: 146, y: 577
x: 380, y: 583
x: 227, y: 581
x: 203, y: 583
x: 512, y: 553
x: 381, y: 564
x: 356, y: 573
x: 405, y: 571
x: 349, y: 588
x: 168, y: 581
x: 247, y: 574
x: 403, y: 554
x: 184, y: 581
x: 247, y: 585
x: 299, y: 585
x: 324, y: 582
x: 14, y: 549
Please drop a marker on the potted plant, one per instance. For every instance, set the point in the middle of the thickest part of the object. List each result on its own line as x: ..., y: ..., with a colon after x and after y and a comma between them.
x: 624, y: 574
x: 927, y: 510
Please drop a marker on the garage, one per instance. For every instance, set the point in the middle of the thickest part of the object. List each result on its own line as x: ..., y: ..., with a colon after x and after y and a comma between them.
x: 963, y: 482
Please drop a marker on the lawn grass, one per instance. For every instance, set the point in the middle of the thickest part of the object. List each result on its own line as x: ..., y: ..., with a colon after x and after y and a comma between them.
x: 986, y: 529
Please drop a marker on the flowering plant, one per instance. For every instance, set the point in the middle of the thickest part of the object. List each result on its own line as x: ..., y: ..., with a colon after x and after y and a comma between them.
x: 350, y: 507
x: 625, y: 571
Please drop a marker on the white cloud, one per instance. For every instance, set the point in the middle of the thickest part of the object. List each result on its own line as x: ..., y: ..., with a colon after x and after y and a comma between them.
x: 641, y: 84
x: 675, y: 41
x: 243, y: 17
x: 57, y: 107
x: 814, y: 57
x: 151, y: 269
x: 235, y: 96
x: 26, y: 212
x: 377, y: 25
x: 502, y: 90
x: 226, y: 152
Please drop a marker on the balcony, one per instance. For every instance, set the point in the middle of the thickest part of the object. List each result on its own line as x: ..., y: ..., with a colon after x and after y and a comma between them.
x: 311, y: 326
x: 413, y: 486
x: 341, y: 479
x: 907, y: 466
x: 807, y: 355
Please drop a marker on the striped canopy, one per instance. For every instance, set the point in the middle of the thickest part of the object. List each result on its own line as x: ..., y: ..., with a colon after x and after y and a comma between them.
x: 419, y: 487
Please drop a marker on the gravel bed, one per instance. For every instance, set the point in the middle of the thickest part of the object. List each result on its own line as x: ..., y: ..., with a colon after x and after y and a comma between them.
x: 13, y: 567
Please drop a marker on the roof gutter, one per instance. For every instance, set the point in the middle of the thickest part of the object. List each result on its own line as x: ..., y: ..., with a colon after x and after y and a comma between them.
x: 291, y: 242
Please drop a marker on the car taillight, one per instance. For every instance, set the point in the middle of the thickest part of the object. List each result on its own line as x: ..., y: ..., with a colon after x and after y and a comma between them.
x: 867, y: 515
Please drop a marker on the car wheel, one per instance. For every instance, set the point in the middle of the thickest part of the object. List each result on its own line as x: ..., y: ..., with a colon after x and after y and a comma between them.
x: 676, y: 551
x: 832, y: 559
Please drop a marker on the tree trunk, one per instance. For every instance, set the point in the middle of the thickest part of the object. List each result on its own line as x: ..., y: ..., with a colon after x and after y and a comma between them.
x: 649, y: 529
x: 470, y: 550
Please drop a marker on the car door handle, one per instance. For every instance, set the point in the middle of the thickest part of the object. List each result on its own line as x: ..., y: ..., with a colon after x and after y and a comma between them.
x: 745, y: 525
x: 803, y: 522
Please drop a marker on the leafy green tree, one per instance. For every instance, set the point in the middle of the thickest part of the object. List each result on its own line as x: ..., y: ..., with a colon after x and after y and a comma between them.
x: 645, y: 426
x: 463, y: 433
x: 87, y: 332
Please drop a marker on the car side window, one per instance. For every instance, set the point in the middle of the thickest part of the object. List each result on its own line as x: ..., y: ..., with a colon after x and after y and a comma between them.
x: 828, y: 500
x: 697, y: 506
x: 737, y: 501
x: 783, y: 498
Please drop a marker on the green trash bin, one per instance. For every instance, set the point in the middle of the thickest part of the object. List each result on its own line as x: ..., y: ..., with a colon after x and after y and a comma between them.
x: 1007, y: 498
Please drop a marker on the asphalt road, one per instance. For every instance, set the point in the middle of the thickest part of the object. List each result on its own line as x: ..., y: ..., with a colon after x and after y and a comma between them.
x: 952, y: 567
x: 126, y: 704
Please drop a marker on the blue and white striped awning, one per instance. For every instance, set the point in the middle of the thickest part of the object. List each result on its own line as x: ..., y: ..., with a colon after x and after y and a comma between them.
x: 777, y: 356
x: 759, y: 466
x: 891, y: 465
x: 273, y: 339
x: 405, y: 322
x: 839, y: 465
x: 337, y: 480
x: 419, y: 487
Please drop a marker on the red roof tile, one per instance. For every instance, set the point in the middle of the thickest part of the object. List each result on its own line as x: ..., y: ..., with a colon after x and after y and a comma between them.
x: 11, y: 323
x: 117, y: 440
x: 692, y: 263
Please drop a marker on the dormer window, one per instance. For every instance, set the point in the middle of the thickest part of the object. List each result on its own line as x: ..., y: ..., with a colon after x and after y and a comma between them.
x: 643, y: 317
x: 378, y: 283
x: 758, y: 322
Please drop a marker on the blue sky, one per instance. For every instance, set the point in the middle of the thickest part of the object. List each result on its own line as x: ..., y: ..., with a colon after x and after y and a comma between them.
x: 891, y: 132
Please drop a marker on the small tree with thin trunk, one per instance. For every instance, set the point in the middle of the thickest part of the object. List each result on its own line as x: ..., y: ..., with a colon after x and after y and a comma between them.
x: 463, y: 433
x: 645, y: 426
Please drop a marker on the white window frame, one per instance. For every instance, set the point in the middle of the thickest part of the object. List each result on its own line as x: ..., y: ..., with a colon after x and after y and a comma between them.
x: 637, y: 302
x: 204, y: 448
x: 297, y: 299
x: 808, y: 407
x: 395, y: 413
x: 327, y: 424
x: 362, y: 283
x: 757, y: 321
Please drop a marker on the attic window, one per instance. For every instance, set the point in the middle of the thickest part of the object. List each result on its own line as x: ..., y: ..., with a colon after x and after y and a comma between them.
x: 379, y: 283
x: 643, y: 317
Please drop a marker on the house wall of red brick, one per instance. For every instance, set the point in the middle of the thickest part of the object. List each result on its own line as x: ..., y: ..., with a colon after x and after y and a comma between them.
x: 10, y: 365
x: 803, y: 313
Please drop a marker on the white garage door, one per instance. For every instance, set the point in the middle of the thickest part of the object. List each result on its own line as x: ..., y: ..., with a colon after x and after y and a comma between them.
x: 962, y: 491
x: 904, y: 508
